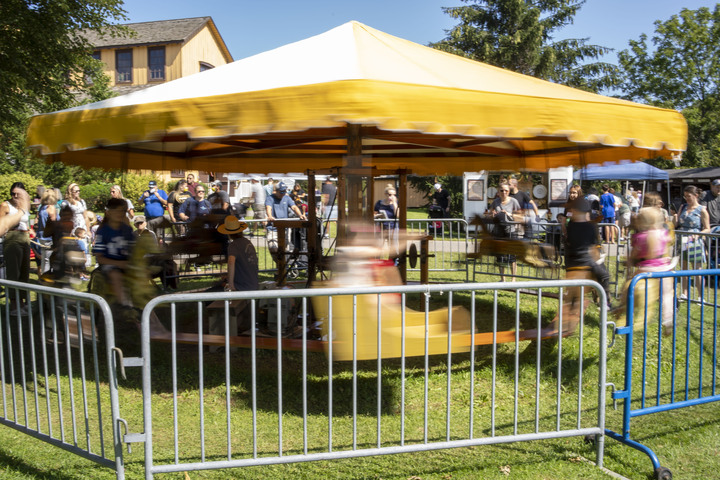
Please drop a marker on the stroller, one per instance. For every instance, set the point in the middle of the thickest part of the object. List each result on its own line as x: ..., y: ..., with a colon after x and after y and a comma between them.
x: 435, y: 211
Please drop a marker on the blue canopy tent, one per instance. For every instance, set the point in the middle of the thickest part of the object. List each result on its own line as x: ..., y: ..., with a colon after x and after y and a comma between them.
x: 626, y: 171
x: 622, y: 171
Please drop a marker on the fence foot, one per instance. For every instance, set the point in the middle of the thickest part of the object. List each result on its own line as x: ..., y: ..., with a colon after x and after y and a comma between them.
x: 663, y: 473
x: 644, y: 449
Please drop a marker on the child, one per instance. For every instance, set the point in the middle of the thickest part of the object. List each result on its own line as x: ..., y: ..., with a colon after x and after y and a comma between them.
x: 83, y: 240
x: 581, y: 249
x: 114, y: 240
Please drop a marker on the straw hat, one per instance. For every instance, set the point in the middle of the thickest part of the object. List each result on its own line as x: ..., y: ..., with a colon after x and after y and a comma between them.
x: 232, y: 225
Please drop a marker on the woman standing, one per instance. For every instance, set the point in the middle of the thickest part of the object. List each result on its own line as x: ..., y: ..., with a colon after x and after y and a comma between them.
x: 77, y: 205
x: 116, y: 192
x: 693, y: 217
x: 502, y: 211
x: 17, y: 242
x: 387, y: 209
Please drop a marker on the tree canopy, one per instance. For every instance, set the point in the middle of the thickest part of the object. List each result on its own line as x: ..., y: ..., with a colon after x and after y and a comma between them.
x: 679, y: 67
x: 46, y: 62
x: 519, y: 35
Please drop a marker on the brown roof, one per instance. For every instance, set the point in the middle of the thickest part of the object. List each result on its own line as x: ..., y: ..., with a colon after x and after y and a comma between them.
x: 160, y: 32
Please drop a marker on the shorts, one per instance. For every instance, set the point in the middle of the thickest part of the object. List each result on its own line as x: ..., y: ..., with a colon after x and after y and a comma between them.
x: 608, y: 220
x: 624, y: 220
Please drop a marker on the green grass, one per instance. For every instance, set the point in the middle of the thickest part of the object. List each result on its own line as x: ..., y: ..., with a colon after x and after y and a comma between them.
x: 687, y: 441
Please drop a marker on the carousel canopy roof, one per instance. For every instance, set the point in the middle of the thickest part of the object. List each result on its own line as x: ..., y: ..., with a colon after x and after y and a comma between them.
x: 418, y: 108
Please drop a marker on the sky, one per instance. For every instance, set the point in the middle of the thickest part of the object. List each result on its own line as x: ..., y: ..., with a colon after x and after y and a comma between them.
x: 251, y: 27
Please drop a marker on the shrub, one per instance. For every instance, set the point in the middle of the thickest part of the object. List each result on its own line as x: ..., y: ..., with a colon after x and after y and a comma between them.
x: 29, y: 181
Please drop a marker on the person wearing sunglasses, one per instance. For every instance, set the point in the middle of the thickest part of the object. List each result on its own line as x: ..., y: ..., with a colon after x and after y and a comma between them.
x: 77, y: 205
x: 503, y: 211
x: 195, y: 208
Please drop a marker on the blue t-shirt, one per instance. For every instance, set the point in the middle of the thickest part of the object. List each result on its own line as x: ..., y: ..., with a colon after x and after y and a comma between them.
x: 153, y: 205
x: 607, y: 202
x: 280, y: 206
x: 114, y: 244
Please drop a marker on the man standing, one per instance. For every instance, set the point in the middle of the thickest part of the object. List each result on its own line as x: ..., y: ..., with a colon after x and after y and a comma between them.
x: 191, y: 184
x: 442, y: 199
x: 329, y: 192
x: 219, y: 199
x: 155, y: 201
x: 712, y: 201
x: 607, y: 203
x: 269, y: 188
x: 279, y: 204
x: 258, y: 195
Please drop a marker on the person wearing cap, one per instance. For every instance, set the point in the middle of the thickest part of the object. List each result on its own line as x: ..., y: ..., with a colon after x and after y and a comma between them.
x: 141, y: 228
x: 279, y: 204
x: 582, y: 241
x: 441, y: 197
x: 155, y: 201
x: 219, y: 199
x: 242, y: 257
x: 711, y: 200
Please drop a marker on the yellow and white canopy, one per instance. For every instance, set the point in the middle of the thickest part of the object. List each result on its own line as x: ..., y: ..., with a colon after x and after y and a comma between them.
x: 418, y: 108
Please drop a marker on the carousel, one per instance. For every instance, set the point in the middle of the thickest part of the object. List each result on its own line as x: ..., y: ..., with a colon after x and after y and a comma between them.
x: 357, y: 103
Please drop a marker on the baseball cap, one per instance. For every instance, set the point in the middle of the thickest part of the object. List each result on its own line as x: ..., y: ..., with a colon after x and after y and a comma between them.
x: 152, y: 183
x: 437, y: 186
x: 281, y: 187
x: 139, y: 219
x: 716, y: 181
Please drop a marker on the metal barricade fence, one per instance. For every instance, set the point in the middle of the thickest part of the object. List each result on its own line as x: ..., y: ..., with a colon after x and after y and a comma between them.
x: 541, y: 255
x: 668, y: 332
x: 61, y: 395
x: 393, y: 379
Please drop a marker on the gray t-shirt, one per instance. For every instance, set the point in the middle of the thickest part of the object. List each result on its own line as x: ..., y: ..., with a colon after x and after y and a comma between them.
x: 258, y: 194
x: 713, y: 205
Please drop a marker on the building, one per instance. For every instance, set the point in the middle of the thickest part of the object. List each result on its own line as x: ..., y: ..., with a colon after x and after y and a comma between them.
x: 158, y: 52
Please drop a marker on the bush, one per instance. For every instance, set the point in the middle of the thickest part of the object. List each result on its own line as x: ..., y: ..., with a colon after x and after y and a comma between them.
x: 29, y: 181
x: 96, y: 196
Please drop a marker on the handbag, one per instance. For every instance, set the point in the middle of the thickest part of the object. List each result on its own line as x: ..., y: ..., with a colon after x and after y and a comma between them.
x: 693, y: 250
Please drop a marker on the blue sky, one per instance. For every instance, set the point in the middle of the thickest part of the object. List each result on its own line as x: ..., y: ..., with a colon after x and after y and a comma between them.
x: 251, y: 27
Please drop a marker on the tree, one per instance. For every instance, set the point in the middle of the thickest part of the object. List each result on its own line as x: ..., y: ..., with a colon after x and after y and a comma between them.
x: 681, y: 70
x: 46, y: 63
x: 519, y: 35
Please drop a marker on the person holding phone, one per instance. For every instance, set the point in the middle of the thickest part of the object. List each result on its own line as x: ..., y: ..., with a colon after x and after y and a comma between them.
x: 155, y: 201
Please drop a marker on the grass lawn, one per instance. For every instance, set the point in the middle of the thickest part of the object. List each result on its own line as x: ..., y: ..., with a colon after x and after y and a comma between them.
x: 687, y: 440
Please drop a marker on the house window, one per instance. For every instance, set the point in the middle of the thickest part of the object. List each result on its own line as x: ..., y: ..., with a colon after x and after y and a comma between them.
x: 156, y: 63
x: 88, y: 73
x: 205, y: 66
x: 177, y: 173
x: 96, y: 55
x: 124, y: 64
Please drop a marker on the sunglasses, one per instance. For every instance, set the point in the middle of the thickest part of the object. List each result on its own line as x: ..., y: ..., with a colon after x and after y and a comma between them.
x: 75, y: 191
x: 199, y: 191
x: 504, y: 191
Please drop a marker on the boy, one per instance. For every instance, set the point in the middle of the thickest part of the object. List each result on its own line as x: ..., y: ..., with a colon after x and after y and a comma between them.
x: 581, y: 244
x: 112, y: 247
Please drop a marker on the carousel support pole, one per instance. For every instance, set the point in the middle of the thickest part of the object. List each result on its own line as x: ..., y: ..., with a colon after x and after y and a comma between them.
x: 402, y: 225
x: 281, y: 256
x: 312, y: 241
x: 341, y: 214
x: 353, y: 181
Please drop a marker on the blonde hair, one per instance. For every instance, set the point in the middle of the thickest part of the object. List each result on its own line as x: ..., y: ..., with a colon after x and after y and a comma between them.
x: 117, y: 187
x: 48, y: 198
x: 648, y: 218
x: 389, y: 187
x: 68, y: 195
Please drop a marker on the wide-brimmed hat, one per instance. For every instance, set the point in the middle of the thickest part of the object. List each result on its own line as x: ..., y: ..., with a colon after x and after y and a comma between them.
x: 139, y: 219
x: 232, y: 225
